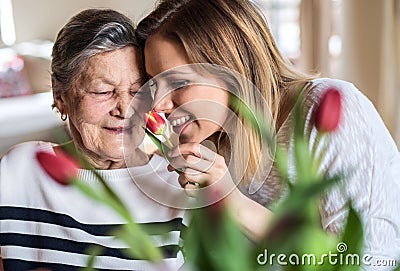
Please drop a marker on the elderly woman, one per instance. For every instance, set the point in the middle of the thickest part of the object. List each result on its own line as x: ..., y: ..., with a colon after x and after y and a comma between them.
x: 96, y: 73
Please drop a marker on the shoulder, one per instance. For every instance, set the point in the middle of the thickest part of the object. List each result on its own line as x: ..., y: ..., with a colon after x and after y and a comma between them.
x: 361, y: 127
x: 359, y: 115
x: 330, y: 82
x: 20, y: 159
x: 26, y: 150
x: 351, y: 95
x: 20, y: 176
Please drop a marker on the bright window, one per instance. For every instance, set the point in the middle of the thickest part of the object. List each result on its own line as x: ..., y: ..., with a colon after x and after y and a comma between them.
x: 283, y: 20
x: 283, y: 17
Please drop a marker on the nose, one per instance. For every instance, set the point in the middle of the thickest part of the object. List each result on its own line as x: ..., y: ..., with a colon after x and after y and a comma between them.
x: 164, y: 104
x: 122, y: 106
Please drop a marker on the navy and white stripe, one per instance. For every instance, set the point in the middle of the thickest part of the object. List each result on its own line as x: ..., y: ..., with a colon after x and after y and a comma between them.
x: 27, y: 233
x: 43, y: 224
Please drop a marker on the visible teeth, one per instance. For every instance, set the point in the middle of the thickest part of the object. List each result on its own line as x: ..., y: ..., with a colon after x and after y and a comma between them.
x: 180, y: 121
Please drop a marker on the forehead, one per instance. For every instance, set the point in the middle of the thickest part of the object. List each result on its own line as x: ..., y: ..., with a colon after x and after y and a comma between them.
x: 163, y: 53
x: 125, y: 62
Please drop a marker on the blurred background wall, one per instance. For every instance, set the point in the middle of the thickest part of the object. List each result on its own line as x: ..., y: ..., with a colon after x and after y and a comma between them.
x: 25, y: 107
x: 354, y: 40
x: 41, y: 19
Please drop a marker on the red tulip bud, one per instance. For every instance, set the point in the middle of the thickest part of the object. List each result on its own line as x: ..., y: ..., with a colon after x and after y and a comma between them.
x: 155, y: 123
x: 61, y: 167
x: 329, y: 111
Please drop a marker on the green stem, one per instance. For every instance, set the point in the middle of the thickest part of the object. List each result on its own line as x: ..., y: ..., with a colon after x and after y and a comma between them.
x: 317, y: 142
x: 137, y: 234
x: 169, y: 143
x: 317, y: 159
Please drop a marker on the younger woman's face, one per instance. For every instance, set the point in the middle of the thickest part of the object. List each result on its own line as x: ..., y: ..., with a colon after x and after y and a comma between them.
x: 194, y: 111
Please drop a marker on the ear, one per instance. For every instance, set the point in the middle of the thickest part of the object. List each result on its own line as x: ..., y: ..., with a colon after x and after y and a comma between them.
x: 59, y: 102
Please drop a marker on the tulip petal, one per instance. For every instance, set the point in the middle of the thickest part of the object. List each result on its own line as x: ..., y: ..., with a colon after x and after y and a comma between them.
x: 155, y: 123
x: 329, y: 112
x: 59, y: 166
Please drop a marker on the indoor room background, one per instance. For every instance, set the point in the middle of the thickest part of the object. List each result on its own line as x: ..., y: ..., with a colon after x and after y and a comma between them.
x: 354, y: 40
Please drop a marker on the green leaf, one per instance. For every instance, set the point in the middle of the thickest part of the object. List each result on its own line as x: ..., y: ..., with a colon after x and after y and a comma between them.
x: 216, y: 243
x: 140, y: 245
x: 281, y: 161
x: 70, y: 148
x: 103, y: 197
x: 352, y: 240
x: 93, y: 251
x: 162, y: 147
x: 266, y: 133
x: 303, y: 160
x: 353, y: 234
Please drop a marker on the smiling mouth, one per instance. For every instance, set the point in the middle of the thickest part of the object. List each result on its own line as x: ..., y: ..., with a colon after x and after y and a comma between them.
x: 119, y: 130
x: 178, y: 125
x: 179, y: 122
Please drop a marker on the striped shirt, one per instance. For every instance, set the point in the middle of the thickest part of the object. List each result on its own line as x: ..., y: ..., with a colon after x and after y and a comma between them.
x: 44, y: 224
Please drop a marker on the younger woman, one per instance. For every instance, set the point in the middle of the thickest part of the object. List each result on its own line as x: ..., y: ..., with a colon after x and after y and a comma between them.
x: 234, y: 35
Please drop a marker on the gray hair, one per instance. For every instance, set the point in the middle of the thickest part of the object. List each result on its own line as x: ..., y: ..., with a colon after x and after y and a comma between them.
x: 90, y: 32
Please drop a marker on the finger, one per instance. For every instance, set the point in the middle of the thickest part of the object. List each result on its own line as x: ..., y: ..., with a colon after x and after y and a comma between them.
x: 183, y: 181
x: 194, y: 149
x: 170, y: 168
x: 190, y: 161
x: 191, y: 190
x: 194, y: 176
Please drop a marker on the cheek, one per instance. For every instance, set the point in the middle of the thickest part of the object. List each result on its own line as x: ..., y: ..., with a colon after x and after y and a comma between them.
x: 208, y: 127
x: 89, y: 112
x: 140, y: 106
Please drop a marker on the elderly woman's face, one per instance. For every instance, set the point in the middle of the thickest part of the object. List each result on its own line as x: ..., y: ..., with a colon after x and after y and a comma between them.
x: 98, y: 106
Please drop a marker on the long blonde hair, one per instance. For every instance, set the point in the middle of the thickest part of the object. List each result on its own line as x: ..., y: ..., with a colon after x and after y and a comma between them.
x: 233, y: 34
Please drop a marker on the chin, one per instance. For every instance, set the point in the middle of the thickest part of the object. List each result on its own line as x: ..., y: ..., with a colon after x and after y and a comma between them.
x: 114, y: 155
x: 113, y: 150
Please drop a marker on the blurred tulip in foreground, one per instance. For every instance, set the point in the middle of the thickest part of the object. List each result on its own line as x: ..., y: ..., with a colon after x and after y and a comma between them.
x: 329, y: 112
x: 61, y: 167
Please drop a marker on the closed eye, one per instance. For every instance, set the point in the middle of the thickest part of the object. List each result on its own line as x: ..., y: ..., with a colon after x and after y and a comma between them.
x: 179, y: 84
x: 103, y: 93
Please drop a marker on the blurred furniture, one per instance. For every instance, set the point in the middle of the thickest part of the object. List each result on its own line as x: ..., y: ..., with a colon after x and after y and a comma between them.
x: 25, y: 109
x: 28, y: 118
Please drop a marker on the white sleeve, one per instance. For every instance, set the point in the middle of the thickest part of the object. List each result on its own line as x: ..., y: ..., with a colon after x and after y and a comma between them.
x: 363, y: 148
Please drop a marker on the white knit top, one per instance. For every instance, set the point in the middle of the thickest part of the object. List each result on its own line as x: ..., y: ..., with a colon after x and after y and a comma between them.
x: 45, y: 224
x: 363, y: 146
